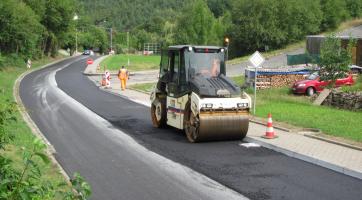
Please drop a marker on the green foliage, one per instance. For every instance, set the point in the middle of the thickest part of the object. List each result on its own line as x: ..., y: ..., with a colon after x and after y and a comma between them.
x: 20, y: 29
x: 354, y: 7
x: 261, y: 23
x: 357, y: 87
x: 82, y: 188
x: 334, y: 12
x: 197, y: 25
x: 94, y: 37
x: 251, y: 25
x: 6, y: 111
x: 31, y: 28
x: 334, y: 59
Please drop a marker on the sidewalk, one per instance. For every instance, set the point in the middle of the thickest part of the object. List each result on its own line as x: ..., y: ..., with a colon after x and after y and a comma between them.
x: 295, y: 144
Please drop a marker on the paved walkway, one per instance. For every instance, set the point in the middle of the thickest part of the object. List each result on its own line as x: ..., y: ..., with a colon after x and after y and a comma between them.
x: 333, y: 156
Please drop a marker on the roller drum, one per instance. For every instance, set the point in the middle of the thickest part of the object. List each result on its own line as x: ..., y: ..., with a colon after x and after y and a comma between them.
x: 222, y: 126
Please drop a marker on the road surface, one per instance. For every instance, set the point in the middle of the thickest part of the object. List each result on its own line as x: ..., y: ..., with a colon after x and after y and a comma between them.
x: 112, y: 143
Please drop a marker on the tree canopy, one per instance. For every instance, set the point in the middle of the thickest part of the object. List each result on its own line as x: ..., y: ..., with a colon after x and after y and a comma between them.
x: 335, y: 59
x: 251, y: 25
x: 33, y: 28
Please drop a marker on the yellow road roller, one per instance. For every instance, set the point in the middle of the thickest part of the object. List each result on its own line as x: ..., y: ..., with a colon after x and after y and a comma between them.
x: 194, y: 94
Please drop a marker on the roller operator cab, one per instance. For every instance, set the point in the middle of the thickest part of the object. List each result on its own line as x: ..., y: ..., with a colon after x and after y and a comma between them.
x: 194, y: 94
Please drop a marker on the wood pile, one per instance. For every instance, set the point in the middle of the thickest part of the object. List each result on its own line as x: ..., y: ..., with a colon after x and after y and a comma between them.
x: 275, y: 81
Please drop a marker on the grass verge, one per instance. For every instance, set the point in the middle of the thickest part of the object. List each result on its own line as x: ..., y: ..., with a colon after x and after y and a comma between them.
x: 354, y: 88
x: 299, y: 111
x: 137, y: 62
x: 23, y: 135
x: 143, y: 87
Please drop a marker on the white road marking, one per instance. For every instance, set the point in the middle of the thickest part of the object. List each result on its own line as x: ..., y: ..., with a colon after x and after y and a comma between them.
x: 248, y: 145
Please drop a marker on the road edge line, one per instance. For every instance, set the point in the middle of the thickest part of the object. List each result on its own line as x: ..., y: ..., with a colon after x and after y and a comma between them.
x: 31, y: 124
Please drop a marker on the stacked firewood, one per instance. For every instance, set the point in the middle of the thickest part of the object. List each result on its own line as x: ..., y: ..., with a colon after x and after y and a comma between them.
x: 267, y: 81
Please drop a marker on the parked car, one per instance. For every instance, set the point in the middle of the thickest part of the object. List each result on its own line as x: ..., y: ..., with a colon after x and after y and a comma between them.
x: 356, y: 69
x: 86, y: 52
x: 313, y: 84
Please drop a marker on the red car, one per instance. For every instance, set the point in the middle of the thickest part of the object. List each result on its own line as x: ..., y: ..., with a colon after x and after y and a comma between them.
x: 313, y: 84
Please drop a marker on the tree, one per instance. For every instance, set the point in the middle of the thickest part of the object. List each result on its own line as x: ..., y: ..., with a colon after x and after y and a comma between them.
x: 354, y: 7
x: 58, y: 19
x: 197, y: 25
x: 94, y: 37
x: 20, y: 30
x: 334, y: 12
x: 255, y: 25
x: 335, y: 59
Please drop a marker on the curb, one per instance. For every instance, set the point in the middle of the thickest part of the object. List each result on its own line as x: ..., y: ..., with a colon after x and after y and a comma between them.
x: 333, y: 142
x: 31, y: 124
x: 305, y: 158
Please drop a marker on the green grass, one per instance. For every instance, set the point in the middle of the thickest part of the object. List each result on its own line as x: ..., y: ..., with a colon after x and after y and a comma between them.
x: 23, y: 135
x: 354, y: 88
x: 143, y: 87
x: 239, y: 80
x: 137, y: 62
x: 299, y: 111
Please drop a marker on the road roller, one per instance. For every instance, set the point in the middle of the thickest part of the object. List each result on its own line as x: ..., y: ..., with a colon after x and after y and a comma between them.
x: 193, y: 94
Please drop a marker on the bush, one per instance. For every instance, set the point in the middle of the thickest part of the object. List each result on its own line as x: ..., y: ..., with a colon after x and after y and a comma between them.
x: 11, y: 60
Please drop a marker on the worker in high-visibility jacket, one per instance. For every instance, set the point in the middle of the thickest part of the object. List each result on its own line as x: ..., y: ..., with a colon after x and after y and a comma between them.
x: 123, y: 77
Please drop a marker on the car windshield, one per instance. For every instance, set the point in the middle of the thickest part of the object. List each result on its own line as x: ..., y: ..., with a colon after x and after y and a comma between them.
x: 313, y: 76
x: 205, y: 63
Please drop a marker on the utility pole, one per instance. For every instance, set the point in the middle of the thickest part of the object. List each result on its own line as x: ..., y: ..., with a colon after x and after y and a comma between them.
x: 76, y: 41
x: 75, y: 18
x: 111, y: 37
x: 128, y: 46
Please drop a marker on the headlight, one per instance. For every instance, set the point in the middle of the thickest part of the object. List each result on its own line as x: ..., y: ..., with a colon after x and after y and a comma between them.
x: 301, y: 85
x: 243, y: 105
x: 206, y: 105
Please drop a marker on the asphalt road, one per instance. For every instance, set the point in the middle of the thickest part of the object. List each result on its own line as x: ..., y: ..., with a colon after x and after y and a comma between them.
x: 117, y: 167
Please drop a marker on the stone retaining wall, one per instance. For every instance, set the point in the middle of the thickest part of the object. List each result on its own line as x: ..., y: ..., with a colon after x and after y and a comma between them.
x: 344, y: 100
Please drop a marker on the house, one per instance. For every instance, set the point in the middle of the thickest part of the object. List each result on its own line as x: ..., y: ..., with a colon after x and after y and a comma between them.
x: 314, y: 43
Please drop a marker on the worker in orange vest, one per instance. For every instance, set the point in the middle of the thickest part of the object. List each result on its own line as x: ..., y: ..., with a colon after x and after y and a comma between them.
x: 123, y: 77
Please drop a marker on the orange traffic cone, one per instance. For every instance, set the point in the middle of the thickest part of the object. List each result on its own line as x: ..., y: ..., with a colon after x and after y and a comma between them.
x: 269, y: 134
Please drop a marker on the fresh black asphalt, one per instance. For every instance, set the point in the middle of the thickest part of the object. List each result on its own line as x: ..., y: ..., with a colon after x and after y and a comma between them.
x: 256, y: 173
